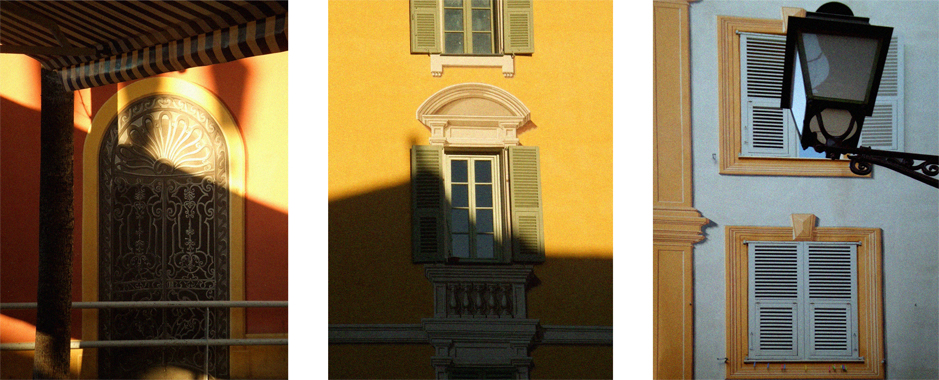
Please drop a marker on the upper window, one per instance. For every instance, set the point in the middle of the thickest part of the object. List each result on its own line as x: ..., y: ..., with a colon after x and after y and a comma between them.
x: 471, y: 27
x: 769, y: 131
x: 803, y: 300
x: 467, y: 26
x: 759, y: 138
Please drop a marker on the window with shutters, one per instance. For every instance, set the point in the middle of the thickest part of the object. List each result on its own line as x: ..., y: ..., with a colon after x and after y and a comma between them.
x: 476, y: 192
x: 800, y: 303
x: 758, y: 137
x: 465, y: 212
x: 803, y: 301
x: 472, y: 32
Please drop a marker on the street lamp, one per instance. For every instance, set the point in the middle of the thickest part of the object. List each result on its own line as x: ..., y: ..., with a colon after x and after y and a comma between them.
x: 833, y: 65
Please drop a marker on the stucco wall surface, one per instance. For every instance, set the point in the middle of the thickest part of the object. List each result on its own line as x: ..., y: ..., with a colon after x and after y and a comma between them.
x: 906, y: 210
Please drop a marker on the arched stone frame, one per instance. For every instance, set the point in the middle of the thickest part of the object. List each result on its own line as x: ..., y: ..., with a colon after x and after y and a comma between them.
x: 474, y: 115
x: 90, y: 200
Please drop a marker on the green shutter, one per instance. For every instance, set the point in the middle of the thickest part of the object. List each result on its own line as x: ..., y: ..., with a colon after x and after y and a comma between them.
x: 427, y: 220
x: 518, y: 24
x: 425, y: 26
x: 525, y: 205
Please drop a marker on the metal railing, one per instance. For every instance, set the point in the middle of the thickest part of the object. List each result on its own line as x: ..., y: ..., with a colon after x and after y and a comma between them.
x: 155, y: 342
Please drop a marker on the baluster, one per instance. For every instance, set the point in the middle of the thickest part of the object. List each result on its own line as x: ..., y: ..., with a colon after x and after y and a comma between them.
x: 451, y: 300
x: 506, y: 305
x: 465, y: 298
x: 478, y: 300
x: 490, y: 300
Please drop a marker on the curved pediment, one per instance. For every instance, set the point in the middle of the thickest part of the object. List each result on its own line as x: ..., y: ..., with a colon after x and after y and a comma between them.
x: 473, y: 114
x: 473, y: 99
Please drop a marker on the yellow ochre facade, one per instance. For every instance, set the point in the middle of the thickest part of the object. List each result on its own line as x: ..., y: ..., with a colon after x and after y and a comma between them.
x: 382, y: 309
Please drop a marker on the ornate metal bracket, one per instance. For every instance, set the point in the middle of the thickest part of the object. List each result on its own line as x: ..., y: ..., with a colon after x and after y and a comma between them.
x: 921, y: 167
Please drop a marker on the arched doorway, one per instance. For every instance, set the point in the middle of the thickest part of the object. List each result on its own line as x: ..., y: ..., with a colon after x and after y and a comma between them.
x: 164, y: 166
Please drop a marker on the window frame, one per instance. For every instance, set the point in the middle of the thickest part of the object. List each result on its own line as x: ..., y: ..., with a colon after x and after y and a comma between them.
x: 499, y: 208
x: 802, y: 304
x: 468, y: 31
x: 730, y: 110
x: 869, y: 304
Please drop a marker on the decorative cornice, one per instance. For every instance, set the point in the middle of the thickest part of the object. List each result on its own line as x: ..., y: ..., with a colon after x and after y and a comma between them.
x: 416, y: 334
x: 678, y: 225
x: 515, y: 274
x: 379, y: 333
x: 577, y: 335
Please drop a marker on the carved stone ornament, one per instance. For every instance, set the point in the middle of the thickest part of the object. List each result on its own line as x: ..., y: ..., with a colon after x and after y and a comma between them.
x: 474, y: 115
x: 164, y: 234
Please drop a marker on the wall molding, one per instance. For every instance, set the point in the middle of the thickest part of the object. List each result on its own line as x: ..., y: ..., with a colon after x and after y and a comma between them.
x: 438, y: 62
x: 415, y: 334
x: 577, y: 335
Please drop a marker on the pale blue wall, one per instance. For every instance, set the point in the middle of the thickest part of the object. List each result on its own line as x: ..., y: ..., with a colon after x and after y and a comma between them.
x: 906, y: 210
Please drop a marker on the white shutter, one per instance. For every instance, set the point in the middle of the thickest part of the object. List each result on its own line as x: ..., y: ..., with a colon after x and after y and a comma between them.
x: 774, y: 298
x: 765, y: 128
x: 884, y: 129
x: 831, y: 286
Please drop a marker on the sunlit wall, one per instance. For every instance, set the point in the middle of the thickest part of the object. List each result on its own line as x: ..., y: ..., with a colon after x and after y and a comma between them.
x: 375, y: 89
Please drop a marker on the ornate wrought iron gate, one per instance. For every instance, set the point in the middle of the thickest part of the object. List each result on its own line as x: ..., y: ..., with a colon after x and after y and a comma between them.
x: 163, y: 235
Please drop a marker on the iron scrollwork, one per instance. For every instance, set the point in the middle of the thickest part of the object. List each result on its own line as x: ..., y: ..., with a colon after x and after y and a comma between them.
x: 921, y: 167
x: 164, y: 235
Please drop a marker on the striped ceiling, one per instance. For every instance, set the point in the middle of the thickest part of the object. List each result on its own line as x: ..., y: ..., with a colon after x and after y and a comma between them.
x: 93, y: 43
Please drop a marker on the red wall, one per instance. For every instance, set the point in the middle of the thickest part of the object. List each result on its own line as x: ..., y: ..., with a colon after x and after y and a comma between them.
x: 254, y: 90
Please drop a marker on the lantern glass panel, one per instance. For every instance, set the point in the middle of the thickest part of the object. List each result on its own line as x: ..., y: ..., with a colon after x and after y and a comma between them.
x: 798, y: 95
x: 836, y: 123
x: 840, y: 67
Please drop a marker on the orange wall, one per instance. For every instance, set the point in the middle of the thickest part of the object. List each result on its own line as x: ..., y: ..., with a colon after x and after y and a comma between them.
x: 254, y: 90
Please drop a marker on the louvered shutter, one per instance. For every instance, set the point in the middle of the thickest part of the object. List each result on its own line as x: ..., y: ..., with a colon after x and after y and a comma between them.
x: 425, y: 26
x: 765, y: 128
x: 427, y: 204
x: 518, y: 26
x: 525, y: 204
x: 884, y: 128
x: 774, y: 299
x: 831, y: 296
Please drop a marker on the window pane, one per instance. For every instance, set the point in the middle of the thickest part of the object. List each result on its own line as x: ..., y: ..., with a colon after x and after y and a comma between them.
x: 482, y: 22
x: 459, y: 197
x: 482, y: 43
x: 482, y: 4
x: 459, y: 219
x: 454, y: 44
x: 457, y: 171
x: 484, y: 220
x: 453, y: 19
x: 483, y: 171
x: 460, y: 245
x: 483, y: 195
x: 453, y: 3
x: 484, y: 246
